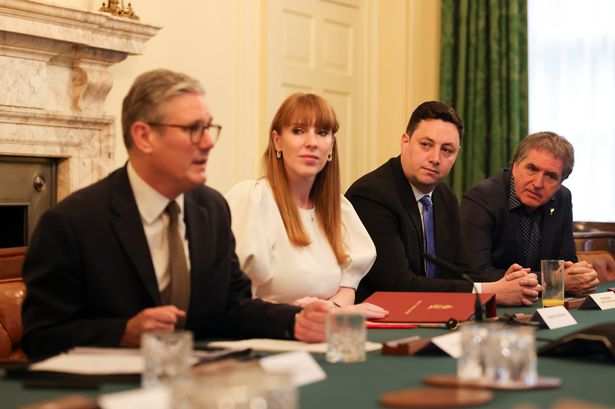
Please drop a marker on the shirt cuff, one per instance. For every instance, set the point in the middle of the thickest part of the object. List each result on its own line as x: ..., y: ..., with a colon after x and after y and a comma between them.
x: 290, y: 327
x: 478, y: 288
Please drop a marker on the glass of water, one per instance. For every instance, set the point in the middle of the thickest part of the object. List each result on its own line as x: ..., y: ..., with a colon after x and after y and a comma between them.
x: 167, y: 357
x: 236, y: 388
x: 346, y: 334
x: 472, y: 364
x: 511, y: 357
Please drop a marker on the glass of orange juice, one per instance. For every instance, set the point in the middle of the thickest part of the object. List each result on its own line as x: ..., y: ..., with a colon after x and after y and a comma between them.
x: 552, y: 272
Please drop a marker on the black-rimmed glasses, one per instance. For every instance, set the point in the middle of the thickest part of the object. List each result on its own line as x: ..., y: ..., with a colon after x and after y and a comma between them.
x: 196, y: 131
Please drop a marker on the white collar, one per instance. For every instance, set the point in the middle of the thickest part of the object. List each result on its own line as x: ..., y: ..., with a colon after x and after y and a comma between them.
x: 418, y: 194
x: 150, y: 202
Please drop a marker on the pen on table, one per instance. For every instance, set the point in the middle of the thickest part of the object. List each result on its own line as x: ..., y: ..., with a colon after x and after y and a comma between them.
x: 240, y: 354
x: 388, y: 325
x: 450, y: 324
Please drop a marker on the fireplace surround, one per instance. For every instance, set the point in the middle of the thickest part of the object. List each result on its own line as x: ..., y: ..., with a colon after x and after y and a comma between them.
x: 27, y: 189
x: 54, y: 79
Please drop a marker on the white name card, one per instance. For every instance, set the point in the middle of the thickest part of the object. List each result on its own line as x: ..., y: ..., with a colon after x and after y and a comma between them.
x: 604, y: 301
x: 300, y: 366
x: 449, y: 343
x: 554, y: 317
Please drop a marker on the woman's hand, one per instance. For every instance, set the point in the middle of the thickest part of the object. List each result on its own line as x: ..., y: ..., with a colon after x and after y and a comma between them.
x: 366, y: 309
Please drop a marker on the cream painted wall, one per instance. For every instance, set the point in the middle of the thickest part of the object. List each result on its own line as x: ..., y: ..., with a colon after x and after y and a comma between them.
x: 217, y: 42
x: 199, y: 38
x: 424, y: 56
x: 408, y: 63
x: 221, y: 43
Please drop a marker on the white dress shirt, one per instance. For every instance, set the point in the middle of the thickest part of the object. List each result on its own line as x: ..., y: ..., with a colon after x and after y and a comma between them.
x: 151, y: 205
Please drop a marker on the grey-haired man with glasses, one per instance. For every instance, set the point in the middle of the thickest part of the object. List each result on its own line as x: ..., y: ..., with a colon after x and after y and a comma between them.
x: 149, y: 248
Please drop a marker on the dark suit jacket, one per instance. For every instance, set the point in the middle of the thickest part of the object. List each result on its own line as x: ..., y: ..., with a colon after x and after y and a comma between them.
x: 387, y: 207
x: 492, y: 233
x: 88, y: 270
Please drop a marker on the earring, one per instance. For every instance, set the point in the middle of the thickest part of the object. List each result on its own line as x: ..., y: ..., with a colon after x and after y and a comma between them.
x: 330, y: 157
x: 278, y: 154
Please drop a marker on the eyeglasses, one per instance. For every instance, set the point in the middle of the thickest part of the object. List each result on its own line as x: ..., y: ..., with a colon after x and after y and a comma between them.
x: 195, y: 130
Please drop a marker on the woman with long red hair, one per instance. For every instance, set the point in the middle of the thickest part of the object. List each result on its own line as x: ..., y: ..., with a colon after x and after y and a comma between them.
x: 298, y: 238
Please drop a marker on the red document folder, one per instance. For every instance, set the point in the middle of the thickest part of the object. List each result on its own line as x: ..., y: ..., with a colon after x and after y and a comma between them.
x: 414, y: 307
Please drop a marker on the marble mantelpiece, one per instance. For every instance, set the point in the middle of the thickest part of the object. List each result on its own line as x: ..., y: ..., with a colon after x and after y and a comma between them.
x: 54, y: 79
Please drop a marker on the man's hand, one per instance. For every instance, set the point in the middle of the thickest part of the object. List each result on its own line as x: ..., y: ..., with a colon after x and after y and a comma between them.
x: 516, y: 271
x: 150, y: 319
x: 581, y: 279
x: 517, y: 287
x: 310, y: 321
x: 366, y: 309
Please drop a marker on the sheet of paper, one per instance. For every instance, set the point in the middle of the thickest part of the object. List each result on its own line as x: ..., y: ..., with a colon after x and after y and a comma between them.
x: 111, y: 361
x: 301, y: 367
x: 92, y: 364
x: 152, y: 398
x: 449, y: 343
x: 278, y: 345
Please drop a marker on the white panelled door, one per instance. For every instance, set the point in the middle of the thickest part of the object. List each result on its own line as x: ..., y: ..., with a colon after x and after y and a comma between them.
x: 321, y: 47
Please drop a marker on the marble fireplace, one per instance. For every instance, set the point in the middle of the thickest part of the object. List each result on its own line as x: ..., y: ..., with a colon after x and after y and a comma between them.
x: 54, y: 79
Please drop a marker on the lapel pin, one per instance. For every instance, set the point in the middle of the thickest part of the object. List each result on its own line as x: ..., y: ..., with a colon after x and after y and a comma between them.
x: 551, y: 211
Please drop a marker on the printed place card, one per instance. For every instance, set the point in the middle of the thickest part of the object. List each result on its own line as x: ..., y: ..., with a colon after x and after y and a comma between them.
x: 603, y: 301
x: 554, y: 317
x: 301, y: 366
x: 449, y: 343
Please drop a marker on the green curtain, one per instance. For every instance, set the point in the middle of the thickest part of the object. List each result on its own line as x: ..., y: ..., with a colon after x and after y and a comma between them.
x: 484, y: 77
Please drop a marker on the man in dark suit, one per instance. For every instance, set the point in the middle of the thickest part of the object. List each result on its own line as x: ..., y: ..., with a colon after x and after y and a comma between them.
x: 149, y: 247
x: 389, y: 202
x: 524, y: 214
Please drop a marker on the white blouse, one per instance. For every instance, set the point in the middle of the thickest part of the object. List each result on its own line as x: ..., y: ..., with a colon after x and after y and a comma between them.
x: 281, y: 271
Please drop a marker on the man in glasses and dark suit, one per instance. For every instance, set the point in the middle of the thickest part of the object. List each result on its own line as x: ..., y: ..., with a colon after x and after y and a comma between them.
x: 149, y: 248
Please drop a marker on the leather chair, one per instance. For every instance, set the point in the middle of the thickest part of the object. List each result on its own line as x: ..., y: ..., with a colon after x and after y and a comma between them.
x: 594, y: 240
x: 603, y: 262
x: 596, y: 247
x: 12, y: 292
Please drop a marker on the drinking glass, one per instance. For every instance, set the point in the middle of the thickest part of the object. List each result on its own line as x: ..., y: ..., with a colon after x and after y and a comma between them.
x: 472, y: 364
x: 167, y: 357
x: 235, y: 388
x: 552, y: 272
x: 511, y: 357
x: 346, y: 334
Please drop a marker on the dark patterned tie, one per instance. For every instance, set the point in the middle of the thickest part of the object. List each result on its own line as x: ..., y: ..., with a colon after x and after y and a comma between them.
x: 430, y: 247
x: 178, y: 268
x: 530, y: 231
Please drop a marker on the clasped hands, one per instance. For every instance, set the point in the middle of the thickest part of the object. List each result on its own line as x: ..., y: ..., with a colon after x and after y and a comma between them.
x: 581, y: 278
x: 519, y: 286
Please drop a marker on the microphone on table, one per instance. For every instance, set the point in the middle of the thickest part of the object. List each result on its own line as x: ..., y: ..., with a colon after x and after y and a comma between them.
x: 441, y: 263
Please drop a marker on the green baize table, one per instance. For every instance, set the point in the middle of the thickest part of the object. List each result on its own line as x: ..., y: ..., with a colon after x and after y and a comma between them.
x: 359, y: 385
